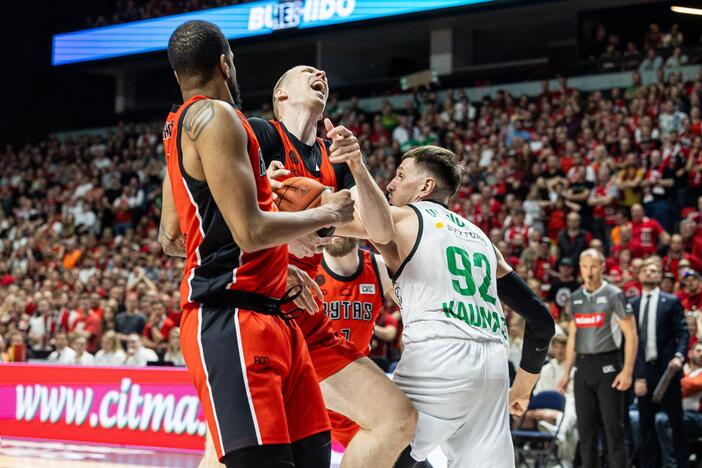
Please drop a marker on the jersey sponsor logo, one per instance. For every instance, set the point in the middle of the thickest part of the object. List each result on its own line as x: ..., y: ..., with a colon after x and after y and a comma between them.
x: 577, y: 302
x: 593, y: 320
x: 261, y: 163
x: 367, y: 288
x: 349, y: 310
x: 167, y: 130
x: 601, y: 300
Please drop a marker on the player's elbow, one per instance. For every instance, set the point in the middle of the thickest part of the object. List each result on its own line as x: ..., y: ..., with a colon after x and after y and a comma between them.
x: 253, y: 235
x: 249, y: 241
x: 384, y: 235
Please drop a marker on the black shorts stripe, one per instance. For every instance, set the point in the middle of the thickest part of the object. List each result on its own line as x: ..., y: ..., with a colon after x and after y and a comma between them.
x: 220, y: 350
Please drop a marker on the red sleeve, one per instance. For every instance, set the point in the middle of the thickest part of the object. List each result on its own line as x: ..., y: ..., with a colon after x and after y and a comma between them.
x: 147, y: 330
x: 659, y: 229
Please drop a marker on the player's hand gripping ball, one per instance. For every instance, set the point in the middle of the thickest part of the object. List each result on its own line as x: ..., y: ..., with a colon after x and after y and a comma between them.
x: 299, y: 194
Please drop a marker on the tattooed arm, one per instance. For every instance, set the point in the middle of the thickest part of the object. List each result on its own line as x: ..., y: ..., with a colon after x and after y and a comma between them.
x: 215, y: 149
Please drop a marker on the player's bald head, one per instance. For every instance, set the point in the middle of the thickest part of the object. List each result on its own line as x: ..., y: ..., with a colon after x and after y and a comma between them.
x: 281, y: 84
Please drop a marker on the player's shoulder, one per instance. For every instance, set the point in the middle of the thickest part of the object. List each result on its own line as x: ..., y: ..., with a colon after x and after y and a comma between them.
x: 258, y: 122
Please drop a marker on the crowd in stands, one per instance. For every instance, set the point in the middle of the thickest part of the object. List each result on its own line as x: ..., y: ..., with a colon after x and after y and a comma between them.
x: 657, y: 50
x: 134, y: 10
x: 83, y: 279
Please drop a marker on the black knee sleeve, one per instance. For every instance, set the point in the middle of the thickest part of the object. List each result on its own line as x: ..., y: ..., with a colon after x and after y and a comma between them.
x: 260, y: 456
x: 313, y: 451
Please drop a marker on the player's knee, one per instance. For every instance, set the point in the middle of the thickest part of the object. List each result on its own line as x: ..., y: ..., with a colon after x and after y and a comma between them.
x: 407, y: 422
x: 400, y: 420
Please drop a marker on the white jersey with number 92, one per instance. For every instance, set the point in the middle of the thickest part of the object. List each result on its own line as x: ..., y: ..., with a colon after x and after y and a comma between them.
x: 447, y: 286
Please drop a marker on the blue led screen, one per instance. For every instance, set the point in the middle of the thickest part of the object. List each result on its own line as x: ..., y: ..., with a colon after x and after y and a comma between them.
x: 236, y: 21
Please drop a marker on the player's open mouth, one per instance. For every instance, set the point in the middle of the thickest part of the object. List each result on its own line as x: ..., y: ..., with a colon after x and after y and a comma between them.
x: 319, y: 86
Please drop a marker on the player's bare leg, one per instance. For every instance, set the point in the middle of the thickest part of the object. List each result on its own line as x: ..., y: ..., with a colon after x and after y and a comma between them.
x: 362, y: 393
x: 209, y: 459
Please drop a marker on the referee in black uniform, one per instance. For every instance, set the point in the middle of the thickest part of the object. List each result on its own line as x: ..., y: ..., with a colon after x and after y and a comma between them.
x: 599, y: 316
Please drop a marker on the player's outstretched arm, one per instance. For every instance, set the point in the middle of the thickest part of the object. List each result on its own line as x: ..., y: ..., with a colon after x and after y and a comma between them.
x: 221, y: 143
x: 385, y: 281
x: 539, y: 329
x: 406, y: 225
x: 372, y: 209
x: 169, y: 235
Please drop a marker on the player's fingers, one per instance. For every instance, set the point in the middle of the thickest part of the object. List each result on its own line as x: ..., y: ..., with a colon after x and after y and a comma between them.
x: 341, y: 142
x: 354, y: 155
x: 328, y: 125
x: 314, y: 287
x: 278, y: 173
x: 339, y: 130
x: 275, y: 164
x: 310, y: 305
x: 275, y: 185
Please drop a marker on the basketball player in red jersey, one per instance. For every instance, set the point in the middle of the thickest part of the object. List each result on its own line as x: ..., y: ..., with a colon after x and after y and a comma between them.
x: 354, y: 283
x: 248, y: 361
x: 346, y: 376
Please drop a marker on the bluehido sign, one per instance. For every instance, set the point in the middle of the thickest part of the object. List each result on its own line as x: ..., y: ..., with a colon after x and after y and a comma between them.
x: 236, y: 21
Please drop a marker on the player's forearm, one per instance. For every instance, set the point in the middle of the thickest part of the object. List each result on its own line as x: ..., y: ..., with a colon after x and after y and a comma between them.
x: 373, y: 208
x: 569, y: 360
x: 524, y: 382
x: 630, y: 347
x: 270, y: 229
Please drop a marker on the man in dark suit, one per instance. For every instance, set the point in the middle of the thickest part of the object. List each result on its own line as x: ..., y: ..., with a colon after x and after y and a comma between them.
x: 663, y: 338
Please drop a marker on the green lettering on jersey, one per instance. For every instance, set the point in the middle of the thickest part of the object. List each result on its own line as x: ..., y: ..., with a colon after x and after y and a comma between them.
x: 462, y: 312
x: 474, y: 317
x: 447, y: 308
x: 495, y: 322
x: 432, y: 212
x: 486, y: 317
x: 456, y: 220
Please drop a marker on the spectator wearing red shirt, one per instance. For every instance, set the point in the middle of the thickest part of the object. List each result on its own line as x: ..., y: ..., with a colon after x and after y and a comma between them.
x: 517, y: 226
x: 157, y: 327
x: 646, y: 232
x: 692, y: 241
x: 676, y: 253
x: 88, y: 325
x: 691, y: 294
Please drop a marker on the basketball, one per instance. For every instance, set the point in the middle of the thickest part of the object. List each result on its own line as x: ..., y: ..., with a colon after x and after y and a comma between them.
x: 299, y: 193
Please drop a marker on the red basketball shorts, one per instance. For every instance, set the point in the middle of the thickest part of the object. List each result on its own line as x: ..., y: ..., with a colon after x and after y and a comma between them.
x: 254, y: 377
x: 329, y: 350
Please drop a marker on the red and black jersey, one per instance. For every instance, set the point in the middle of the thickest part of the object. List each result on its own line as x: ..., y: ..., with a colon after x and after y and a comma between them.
x: 353, y: 303
x: 215, y: 265
x: 294, y: 163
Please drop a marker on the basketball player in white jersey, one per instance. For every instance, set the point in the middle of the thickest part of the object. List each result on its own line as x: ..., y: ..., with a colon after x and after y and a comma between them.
x: 450, y: 280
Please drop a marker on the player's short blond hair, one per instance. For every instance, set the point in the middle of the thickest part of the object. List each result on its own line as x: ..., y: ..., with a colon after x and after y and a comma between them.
x: 280, y: 84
